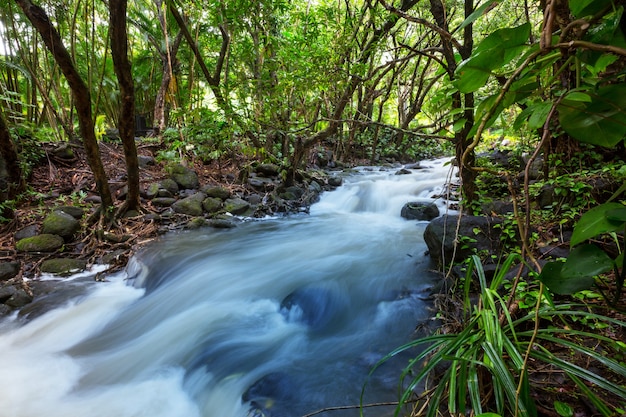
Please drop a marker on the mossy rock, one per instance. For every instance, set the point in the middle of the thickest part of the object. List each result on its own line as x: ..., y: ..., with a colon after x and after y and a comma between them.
x: 191, y: 205
x: 61, y: 224
x: 40, y: 243
x: 216, y: 192
x: 75, y: 212
x: 63, y: 266
x: 212, y: 204
x: 185, y: 177
x: 170, y: 185
x: 236, y: 206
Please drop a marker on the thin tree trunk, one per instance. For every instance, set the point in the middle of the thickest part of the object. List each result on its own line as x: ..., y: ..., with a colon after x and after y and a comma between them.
x: 126, y: 124
x: 14, y: 182
x: 80, y: 92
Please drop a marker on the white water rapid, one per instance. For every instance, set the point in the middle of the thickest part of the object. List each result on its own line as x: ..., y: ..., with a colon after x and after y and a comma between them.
x: 277, y: 317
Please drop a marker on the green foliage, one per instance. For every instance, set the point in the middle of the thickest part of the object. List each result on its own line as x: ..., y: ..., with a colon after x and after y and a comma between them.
x: 484, y: 367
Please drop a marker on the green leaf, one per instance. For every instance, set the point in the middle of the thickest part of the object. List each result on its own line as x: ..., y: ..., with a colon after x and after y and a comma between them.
x: 539, y: 114
x: 595, y: 222
x: 480, y: 11
x: 496, y: 50
x: 617, y: 215
x: 563, y: 409
x: 581, y: 8
x: 600, y: 121
x: 578, y: 96
x: 586, y: 261
x: 551, y: 276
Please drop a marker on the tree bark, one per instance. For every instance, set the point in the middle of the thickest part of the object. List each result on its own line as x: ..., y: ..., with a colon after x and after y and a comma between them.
x: 82, y: 98
x: 126, y: 124
x: 14, y: 183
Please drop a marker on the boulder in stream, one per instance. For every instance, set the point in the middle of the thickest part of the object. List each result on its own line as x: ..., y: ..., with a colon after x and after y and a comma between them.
x: 475, y: 234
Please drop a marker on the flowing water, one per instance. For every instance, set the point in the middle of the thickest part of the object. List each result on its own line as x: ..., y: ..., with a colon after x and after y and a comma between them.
x: 278, y: 317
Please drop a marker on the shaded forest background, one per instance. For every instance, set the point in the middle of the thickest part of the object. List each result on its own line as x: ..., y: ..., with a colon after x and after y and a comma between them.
x: 318, y: 82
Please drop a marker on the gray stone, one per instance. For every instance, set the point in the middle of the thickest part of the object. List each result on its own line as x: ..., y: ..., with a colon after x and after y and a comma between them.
x: 216, y: 192
x: 163, y: 201
x: 28, y: 231
x: 292, y: 193
x: 419, y: 211
x: 267, y: 170
x: 9, y: 270
x: 63, y: 266
x: 60, y: 223
x: 40, y: 243
x: 212, y: 204
x: 261, y: 183
x: 221, y: 224
x: 403, y: 171
x: 186, y: 178
x: 75, y: 212
x: 236, y: 206
x: 191, y: 205
x: 315, y: 187
x: 152, y: 190
x: 145, y: 161
x: 7, y: 292
x: 169, y: 185
x: 254, y: 199
x: 19, y: 299
x: 476, y: 234
x: 335, y: 181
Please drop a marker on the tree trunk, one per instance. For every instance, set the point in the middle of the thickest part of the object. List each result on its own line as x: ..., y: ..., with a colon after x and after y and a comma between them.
x: 13, y: 184
x: 80, y: 92
x: 126, y: 124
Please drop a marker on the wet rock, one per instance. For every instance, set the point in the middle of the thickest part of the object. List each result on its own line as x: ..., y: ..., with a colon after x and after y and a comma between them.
x: 419, y: 211
x: 40, y: 243
x: 236, y: 206
x: 75, y: 212
x: 63, y: 266
x: 19, y: 299
x: 196, y: 223
x: 317, y: 306
x: 476, y: 234
x: 191, y: 205
x: 163, y: 201
x: 28, y: 231
x: 315, y: 187
x: 292, y: 193
x: 61, y: 224
x: 7, y: 292
x: 335, y: 181
x: 186, y: 178
x: 212, y: 205
x: 9, y: 270
x: 221, y: 224
x: 403, y: 171
x: 267, y: 170
x: 216, y: 192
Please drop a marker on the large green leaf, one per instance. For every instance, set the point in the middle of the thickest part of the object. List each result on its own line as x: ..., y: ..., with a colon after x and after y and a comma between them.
x: 596, y: 222
x: 586, y: 261
x: 551, y: 276
x: 581, y: 8
x: 480, y: 11
x: 496, y: 50
x: 600, y: 121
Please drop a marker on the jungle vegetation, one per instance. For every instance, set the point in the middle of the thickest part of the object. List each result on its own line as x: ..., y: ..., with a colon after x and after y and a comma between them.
x: 374, y: 80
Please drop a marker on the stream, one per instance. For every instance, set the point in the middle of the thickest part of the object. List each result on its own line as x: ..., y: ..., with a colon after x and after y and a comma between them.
x: 278, y: 317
